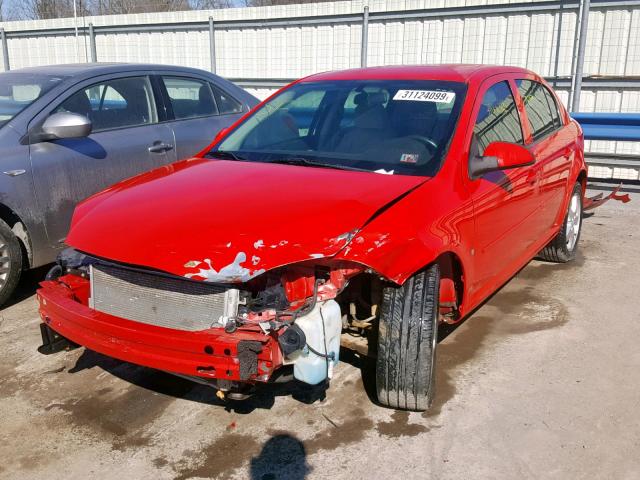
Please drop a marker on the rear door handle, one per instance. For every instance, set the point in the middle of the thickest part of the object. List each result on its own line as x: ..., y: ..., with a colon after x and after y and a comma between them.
x: 160, y: 147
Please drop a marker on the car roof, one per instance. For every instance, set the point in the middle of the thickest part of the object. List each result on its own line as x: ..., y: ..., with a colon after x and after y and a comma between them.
x: 449, y: 72
x: 101, y: 68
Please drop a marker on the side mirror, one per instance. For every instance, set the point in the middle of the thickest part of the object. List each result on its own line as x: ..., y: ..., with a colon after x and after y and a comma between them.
x: 499, y: 156
x: 65, y: 125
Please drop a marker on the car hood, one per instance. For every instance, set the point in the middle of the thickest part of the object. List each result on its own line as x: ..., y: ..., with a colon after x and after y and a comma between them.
x: 228, y: 221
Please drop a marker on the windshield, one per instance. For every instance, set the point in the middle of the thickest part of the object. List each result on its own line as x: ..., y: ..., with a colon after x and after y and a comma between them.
x: 388, y: 126
x: 19, y: 90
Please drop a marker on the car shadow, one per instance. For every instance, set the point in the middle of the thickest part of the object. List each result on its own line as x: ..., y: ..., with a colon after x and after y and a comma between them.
x: 263, y: 396
x: 27, y: 286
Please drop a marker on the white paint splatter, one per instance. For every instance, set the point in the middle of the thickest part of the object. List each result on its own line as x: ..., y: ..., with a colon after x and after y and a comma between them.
x: 234, y: 272
x: 258, y: 244
x: 381, y: 241
x: 255, y: 260
x: 229, y: 245
x: 316, y: 255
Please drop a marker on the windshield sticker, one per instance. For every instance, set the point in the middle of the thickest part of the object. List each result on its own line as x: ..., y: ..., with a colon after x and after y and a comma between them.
x: 409, y: 158
x: 425, y: 96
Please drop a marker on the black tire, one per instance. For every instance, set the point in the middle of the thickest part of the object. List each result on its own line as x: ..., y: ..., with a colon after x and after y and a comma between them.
x: 407, y: 336
x: 10, y: 262
x: 564, y: 245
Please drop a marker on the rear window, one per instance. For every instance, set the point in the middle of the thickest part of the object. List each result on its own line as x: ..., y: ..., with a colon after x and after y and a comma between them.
x: 226, y: 103
x: 540, y: 106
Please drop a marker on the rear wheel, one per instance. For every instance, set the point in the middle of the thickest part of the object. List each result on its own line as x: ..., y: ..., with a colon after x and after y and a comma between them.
x: 564, y: 245
x: 10, y: 262
x: 407, y: 337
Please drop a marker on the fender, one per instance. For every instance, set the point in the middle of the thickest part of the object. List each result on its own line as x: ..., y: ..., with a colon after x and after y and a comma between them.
x: 402, y: 240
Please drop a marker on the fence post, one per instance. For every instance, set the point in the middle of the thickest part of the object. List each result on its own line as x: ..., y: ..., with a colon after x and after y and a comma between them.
x: 576, y: 81
x: 365, y: 37
x: 92, y: 43
x: 212, y: 45
x: 5, y: 50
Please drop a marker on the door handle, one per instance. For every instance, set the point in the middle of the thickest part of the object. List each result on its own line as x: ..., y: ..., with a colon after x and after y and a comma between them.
x: 160, y: 147
x: 14, y: 173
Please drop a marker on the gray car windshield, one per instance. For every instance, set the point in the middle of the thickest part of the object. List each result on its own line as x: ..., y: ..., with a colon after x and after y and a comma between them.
x: 386, y: 126
x: 19, y: 90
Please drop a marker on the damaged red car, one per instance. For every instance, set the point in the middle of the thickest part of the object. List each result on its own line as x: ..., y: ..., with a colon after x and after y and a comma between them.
x: 368, y: 205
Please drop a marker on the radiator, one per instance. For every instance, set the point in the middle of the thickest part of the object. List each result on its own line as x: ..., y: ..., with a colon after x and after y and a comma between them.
x: 155, y: 299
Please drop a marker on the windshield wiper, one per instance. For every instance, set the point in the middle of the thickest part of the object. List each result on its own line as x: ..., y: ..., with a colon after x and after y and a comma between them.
x: 305, y: 162
x: 225, y: 155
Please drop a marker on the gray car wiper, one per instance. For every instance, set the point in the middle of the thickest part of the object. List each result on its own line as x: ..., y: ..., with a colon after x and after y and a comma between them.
x: 225, y: 155
x: 305, y: 162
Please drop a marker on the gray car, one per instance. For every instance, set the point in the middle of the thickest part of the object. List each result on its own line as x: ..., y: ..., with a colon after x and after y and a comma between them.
x: 69, y: 131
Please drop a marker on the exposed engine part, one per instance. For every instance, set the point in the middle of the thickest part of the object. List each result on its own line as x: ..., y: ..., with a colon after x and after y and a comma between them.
x: 358, y: 344
x: 448, y: 303
x: 322, y: 328
x: 361, y: 323
x: 55, y: 273
x: 292, y: 340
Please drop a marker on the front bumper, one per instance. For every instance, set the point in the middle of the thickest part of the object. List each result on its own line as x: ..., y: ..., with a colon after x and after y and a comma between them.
x: 243, y: 356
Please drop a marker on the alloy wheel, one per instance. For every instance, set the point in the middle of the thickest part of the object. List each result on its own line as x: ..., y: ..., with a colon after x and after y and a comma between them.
x: 572, y: 227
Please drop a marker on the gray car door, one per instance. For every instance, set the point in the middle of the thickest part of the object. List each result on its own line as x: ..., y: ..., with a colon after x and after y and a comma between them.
x: 199, y: 109
x: 126, y: 139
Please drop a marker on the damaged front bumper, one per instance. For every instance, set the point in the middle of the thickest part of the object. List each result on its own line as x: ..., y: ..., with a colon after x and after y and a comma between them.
x: 248, y: 355
x: 591, y: 203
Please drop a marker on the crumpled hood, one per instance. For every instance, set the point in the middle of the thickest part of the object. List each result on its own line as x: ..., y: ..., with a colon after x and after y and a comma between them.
x: 229, y: 221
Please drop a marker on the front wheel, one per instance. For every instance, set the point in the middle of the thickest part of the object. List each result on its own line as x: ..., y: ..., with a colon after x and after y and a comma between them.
x: 564, y: 245
x: 405, y: 367
x: 10, y: 262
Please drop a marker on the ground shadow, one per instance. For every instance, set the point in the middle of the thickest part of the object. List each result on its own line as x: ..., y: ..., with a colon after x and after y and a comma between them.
x: 167, y: 384
x: 283, y: 457
x: 29, y: 283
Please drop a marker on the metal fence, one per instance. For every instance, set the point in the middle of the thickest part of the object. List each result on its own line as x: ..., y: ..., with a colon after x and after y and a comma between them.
x: 588, y: 50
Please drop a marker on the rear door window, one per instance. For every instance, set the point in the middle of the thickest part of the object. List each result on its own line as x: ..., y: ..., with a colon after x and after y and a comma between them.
x: 226, y: 103
x: 117, y: 103
x: 498, y: 119
x: 190, y: 97
x: 541, y: 109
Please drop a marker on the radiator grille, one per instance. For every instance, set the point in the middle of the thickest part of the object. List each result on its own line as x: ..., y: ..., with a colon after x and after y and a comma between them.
x: 159, y: 300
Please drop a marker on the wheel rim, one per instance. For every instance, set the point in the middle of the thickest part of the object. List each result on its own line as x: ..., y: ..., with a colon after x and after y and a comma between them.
x: 5, y: 262
x: 572, y: 226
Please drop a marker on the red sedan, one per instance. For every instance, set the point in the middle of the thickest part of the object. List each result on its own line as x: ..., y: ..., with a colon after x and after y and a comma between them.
x: 370, y: 205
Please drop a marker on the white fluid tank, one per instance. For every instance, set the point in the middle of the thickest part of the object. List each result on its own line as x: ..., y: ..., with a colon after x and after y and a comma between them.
x: 309, y: 367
